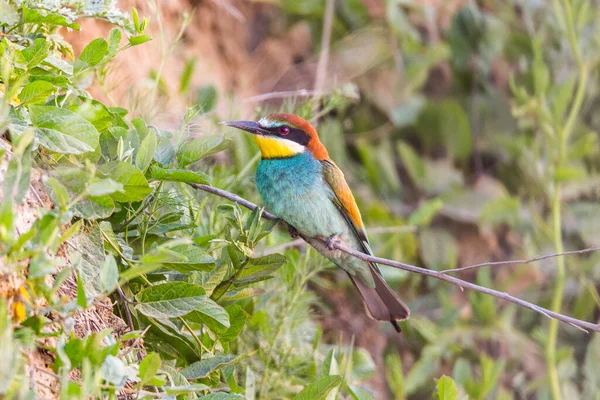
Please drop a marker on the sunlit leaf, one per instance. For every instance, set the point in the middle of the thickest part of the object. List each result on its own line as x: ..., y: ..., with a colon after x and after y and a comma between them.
x: 63, y: 131
x: 319, y: 389
x: 169, y: 300
x: 134, y: 183
x: 201, y: 369
x: 199, y: 148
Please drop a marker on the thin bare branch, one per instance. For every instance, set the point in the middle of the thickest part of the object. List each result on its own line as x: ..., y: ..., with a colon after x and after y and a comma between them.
x: 233, y: 197
x: 582, y: 325
x: 531, y: 260
x: 574, y: 322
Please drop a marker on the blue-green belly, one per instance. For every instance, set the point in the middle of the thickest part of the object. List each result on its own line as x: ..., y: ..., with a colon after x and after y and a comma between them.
x: 294, y: 190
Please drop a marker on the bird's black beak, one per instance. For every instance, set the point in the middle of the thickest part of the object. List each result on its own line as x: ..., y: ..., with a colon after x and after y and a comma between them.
x: 248, y: 126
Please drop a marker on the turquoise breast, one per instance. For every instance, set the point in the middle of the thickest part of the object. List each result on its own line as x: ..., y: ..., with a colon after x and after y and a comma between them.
x: 293, y: 189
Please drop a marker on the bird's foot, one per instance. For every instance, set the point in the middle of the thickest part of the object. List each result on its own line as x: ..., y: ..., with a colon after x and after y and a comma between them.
x: 332, y: 241
x: 293, y: 232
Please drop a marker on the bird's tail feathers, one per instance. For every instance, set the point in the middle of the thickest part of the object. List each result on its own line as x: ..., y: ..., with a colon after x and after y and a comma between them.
x: 381, y: 302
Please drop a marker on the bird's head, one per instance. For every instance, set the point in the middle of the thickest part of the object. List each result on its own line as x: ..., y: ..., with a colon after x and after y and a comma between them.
x: 283, y: 136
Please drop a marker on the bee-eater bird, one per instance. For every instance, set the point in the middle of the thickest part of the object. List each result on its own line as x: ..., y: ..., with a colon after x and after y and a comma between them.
x: 301, y: 185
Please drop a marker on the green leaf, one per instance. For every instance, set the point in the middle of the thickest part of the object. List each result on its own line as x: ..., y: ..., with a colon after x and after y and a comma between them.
x: 114, y: 41
x: 59, y: 193
x: 242, y: 294
x: 87, y: 255
x: 135, y: 18
x: 109, y: 273
x: 165, y: 153
x: 210, y: 314
x: 81, y: 299
x: 330, y: 364
x: 446, y: 389
x: 93, y: 53
x: 446, y: 123
x: 36, y: 53
x: 140, y: 126
x: 139, y: 39
x: 178, y: 175
x: 148, y: 368
x: 76, y: 181
x: 319, y: 389
x: 203, y: 368
x: 36, y: 16
x: 197, y: 149
x: 104, y: 187
x: 188, y: 258
x: 568, y: 173
x: 504, y: 210
x: 412, y: 162
x: 363, y: 365
x: 114, y: 371
x: 206, y: 98
x: 425, y: 213
x: 394, y: 375
x: 237, y: 319
x: 36, y: 92
x: 186, y: 75
x: 63, y: 131
x: 260, y: 267
x: 134, y: 183
x: 59, y: 64
x: 96, y: 113
x: 423, y: 369
x: 169, y: 300
x: 146, y: 152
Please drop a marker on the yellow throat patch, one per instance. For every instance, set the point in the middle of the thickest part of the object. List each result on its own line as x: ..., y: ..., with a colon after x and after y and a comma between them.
x: 271, y: 147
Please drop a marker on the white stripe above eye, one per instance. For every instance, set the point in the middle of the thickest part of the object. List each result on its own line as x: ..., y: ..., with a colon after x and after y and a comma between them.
x: 267, y: 123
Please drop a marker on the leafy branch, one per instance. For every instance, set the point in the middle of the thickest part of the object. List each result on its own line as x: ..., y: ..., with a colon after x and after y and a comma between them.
x: 441, y: 275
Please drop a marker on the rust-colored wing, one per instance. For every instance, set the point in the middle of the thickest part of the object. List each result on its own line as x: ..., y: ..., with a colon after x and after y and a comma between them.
x: 380, y: 301
x: 344, y: 198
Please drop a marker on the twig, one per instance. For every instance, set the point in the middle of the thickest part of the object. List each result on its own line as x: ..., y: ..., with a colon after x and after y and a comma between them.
x: 233, y: 197
x: 582, y: 325
x: 529, y: 261
x: 126, y: 307
x: 576, y: 323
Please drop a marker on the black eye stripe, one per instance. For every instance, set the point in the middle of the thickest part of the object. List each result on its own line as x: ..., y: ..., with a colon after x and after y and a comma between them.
x: 294, y: 134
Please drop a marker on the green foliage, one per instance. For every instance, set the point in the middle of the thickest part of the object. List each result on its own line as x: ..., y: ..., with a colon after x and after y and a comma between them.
x: 128, y: 223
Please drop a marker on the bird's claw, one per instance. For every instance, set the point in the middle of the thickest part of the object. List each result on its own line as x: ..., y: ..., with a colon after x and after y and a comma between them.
x: 332, y: 241
x: 293, y: 232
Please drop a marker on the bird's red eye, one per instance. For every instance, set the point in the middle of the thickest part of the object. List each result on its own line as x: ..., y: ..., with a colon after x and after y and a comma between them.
x: 284, y: 130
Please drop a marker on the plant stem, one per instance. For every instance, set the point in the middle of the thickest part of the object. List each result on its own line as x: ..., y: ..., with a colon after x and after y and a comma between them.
x: 563, y: 139
x: 557, y: 298
x: 196, y: 338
